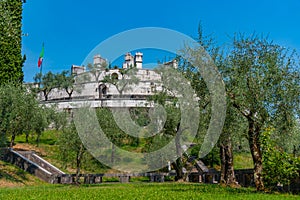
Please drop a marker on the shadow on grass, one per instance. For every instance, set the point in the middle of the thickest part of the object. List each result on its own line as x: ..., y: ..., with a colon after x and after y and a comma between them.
x: 13, y: 175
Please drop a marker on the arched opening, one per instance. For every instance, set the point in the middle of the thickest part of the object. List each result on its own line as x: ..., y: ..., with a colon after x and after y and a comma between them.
x: 102, y: 90
x: 114, y: 76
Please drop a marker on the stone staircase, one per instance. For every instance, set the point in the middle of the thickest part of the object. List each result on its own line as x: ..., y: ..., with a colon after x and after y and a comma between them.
x: 32, y: 163
x: 30, y: 155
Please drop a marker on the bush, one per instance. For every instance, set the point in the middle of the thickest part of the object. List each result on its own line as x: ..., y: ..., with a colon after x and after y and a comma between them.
x: 279, y: 167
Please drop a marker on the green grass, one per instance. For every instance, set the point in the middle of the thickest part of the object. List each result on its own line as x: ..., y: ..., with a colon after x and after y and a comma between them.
x: 48, y: 137
x: 35, y: 189
x: 137, y: 191
x: 243, y: 161
x: 47, y: 147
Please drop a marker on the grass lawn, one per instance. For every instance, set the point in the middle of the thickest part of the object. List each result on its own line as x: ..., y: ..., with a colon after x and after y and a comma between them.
x: 137, y: 191
x: 16, y: 184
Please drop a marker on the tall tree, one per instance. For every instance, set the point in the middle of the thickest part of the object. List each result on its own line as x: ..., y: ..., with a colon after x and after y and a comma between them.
x: 11, y: 61
x: 171, y: 130
x: 46, y: 83
x: 234, y: 125
x: 196, y: 78
x: 71, y: 148
x: 66, y: 81
x: 111, y: 129
x: 262, y: 81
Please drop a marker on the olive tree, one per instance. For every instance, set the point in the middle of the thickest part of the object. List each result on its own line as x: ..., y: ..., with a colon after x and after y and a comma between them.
x: 71, y: 148
x: 46, y: 83
x: 20, y: 112
x: 262, y: 81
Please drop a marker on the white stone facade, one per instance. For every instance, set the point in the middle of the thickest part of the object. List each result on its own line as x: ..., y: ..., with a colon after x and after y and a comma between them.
x: 94, y: 89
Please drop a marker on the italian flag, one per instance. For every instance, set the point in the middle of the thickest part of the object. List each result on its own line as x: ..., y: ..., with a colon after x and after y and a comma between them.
x: 40, y: 61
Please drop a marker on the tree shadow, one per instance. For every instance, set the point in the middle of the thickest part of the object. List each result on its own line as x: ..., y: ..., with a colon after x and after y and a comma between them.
x: 12, y: 175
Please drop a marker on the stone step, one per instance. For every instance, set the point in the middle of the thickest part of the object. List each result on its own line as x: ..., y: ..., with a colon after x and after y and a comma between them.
x: 41, y: 162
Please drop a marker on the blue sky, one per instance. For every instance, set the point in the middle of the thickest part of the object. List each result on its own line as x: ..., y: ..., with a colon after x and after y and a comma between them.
x: 70, y: 29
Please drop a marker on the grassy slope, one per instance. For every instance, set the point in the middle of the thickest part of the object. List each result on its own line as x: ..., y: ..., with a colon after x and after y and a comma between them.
x: 11, y: 176
x: 49, y: 150
x: 137, y: 191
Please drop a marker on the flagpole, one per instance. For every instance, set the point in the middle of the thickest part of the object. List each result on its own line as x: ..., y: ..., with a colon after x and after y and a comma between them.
x: 41, y: 72
x: 40, y: 63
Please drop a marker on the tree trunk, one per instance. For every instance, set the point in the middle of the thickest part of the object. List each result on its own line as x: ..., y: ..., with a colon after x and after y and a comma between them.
x: 12, y: 141
x: 178, y: 168
x: 78, y: 162
x: 253, y: 134
x: 46, y: 96
x: 69, y: 93
x: 223, y: 164
x: 112, y: 158
x: 27, y: 137
x: 178, y: 164
x: 38, y: 138
x: 230, y: 176
x: 227, y: 169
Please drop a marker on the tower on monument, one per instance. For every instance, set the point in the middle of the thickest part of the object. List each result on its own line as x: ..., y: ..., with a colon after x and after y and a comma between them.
x: 98, y: 60
x: 138, y: 60
x: 128, y: 61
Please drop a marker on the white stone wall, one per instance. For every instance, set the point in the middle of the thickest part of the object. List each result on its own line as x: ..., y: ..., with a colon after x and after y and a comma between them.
x: 92, y: 87
x: 149, y: 83
x: 110, y: 103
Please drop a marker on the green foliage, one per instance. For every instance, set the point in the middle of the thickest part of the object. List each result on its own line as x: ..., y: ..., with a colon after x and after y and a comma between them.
x: 20, y: 112
x: 287, y: 130
x: 66, y: 81
x: 70, y: 144
x: 262, y: 81
x: 123, y: 82
x: 110, y: 128
x: 235, y: 127
x: 279, y: 167
x: 40, y: 120
x: 211, y: 159
x: 47, y: 83
x: 97, y: 69
x: 11, y: 61
x: 59, y: 118
x: 169, y: 129
x: 140, y: 116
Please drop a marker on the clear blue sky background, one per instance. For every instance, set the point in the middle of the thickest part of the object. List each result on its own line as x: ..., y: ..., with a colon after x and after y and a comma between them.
x: 70, y: 29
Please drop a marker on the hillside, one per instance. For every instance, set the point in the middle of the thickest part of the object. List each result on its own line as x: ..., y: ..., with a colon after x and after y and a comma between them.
x: 11, y: 176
